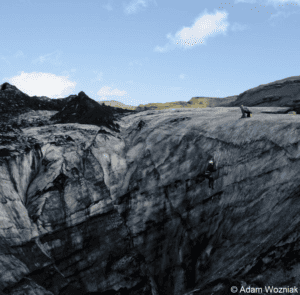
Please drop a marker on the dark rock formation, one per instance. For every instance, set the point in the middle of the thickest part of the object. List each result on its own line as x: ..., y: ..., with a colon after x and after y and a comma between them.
x: 16, y: 106
x: 84, y: 110
x: 14, y: 100
x: 89, y: 210
x: 281, y: 93
x: 4, y: 86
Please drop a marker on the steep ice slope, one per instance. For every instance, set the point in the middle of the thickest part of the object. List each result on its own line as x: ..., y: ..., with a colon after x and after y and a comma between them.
x: 94, y: 210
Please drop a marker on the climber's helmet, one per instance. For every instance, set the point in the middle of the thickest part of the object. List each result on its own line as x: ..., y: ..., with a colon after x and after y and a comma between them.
x: 211, y: 161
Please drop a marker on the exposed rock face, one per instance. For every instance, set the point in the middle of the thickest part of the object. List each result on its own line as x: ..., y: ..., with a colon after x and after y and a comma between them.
x: 20, y: 110
x: 88, y: 209
x: 15, y: 101
x: 14, y: 104
x: 84, y: 110
x: 281, y: 93
x: 92, y: 207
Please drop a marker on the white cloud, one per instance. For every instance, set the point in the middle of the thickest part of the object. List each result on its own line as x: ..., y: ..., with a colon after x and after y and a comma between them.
x: 182, y: 76
x: 135, y: 5
x: 43, y: 84
x: 105, y: 91
x: 53, y: 58
x: 204, y: 26
x: 19, y: 53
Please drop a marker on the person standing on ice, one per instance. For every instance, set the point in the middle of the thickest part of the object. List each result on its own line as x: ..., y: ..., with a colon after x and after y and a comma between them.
x: 245, y: 111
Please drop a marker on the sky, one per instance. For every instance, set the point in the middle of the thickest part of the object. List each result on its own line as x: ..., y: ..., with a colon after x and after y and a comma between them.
x: 147, y: 51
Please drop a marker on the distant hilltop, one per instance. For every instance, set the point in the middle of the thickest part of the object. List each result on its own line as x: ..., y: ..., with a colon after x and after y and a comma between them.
x: 280, y: 93
x: 194, y: 102
x: 117, y: 104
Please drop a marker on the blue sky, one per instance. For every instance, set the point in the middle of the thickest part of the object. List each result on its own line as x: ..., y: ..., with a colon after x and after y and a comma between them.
x: 143, y: 51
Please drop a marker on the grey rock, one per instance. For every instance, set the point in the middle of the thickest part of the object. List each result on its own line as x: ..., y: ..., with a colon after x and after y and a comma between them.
x: 86, y: 208
x: 281, y: 93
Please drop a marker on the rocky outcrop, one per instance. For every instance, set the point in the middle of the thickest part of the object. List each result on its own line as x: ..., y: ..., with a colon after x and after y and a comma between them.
x: 12, y: 100
x: 84, y: 110
x: 87, y: 209
x: 17, y: 109
x: 20, y: 110
x: 281, y: 93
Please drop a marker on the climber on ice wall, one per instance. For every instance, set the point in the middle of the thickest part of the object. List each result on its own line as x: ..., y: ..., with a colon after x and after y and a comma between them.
x: 209, y: 170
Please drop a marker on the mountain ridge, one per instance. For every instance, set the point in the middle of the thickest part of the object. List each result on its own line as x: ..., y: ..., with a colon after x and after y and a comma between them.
x: 269, y: 96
